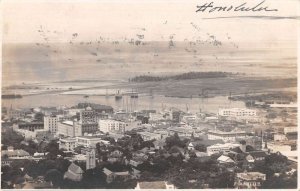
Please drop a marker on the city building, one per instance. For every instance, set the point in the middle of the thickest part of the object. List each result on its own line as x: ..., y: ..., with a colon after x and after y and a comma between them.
x: 154, y: 185
x: 88, y: 116
x: 280, y: 137
x: 156, y: 117
x: 68, y: 143
x: 249, y: 180
x: 90, y: 159
x: 51, y: 123
x: 89, y: 141
x: 111, y: 176
x: 181, y: 131
x: 27, y: 134
x: 220, y: 148
x: 29, y: 126
x: 11, y: 152
x: 237, y: 112
x: 67, y: 129
x: 147, y: 136
x: 113, y: 126
x: 226, y: 136
x: 287, y: 130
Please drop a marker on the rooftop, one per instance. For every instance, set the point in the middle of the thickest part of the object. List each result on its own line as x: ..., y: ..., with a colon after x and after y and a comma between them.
x: 250, y: 175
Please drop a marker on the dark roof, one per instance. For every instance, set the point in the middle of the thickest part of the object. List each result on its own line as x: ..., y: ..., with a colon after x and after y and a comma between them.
x: 236, y: 150
x: 256, y: 154
x: 152, y: 185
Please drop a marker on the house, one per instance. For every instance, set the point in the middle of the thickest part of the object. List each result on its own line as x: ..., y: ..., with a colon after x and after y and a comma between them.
x: 111, y: 176
x: 154, y: 185
x: 74, y: 173
x: 256, y: 156
x: 200, y: 154
x: 225, y: 160
x: 249, y: 180
x: 223, y: 148
x: 10, y: 152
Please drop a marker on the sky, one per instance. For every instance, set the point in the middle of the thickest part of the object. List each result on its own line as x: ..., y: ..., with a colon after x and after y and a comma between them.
x: 157, y: 20
x: 160, y: 19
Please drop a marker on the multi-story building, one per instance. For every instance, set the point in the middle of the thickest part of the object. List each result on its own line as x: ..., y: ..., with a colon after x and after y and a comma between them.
x: 67, y: 143
x: 74, y: 128
x: 50, y: 123
x: 114, y: 126
x: 220, y: 148
x: 249, y: 180
x: 89, y: 141
x: 237, y: 112
x: 226, y: 136
x: 90, y: 159
x: 67, y: 129
x: 27, y: 134
x: 88, y: 116
x: 29, y: 126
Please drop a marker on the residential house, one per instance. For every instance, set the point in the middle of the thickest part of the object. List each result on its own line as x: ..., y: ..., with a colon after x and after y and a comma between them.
x: 249, y: 180
x: 256, y: 156
x: 74, y: 173
x: 223, y: 159
x: 10, y: 152
x: 111, y: 176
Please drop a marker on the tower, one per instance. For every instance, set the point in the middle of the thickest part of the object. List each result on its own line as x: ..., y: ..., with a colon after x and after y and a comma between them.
x: 90, y: 159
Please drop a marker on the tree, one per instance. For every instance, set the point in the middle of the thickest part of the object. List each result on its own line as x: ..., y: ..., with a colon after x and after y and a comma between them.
x: 78, y: 149
x: 55, y: 176
x: 200, y: 147
x: 174, y: 141
x: 53, y: 149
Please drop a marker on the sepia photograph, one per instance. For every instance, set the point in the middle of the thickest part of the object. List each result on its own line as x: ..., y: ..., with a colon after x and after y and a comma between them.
x: 137, y: 94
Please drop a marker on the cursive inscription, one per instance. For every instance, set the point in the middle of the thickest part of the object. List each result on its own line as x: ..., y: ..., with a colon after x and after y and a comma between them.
x: 244, y: 7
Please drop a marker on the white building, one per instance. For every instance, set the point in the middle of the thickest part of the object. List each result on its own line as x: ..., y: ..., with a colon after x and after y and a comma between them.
x: 51, y: 123
x: 220, y: 148
x: 89, y: 141
x: 237, y: 112
x: 290, y: 129
x: 226, y: 136
x: 156, y: 116
x: 278, y: 147
x: 27, y: 134
x: 67, y: 143
x: 249, y: 180
x: 280, y: 137
x: 108, y: 125
x: 147, y: 136
x: 90, y: 159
